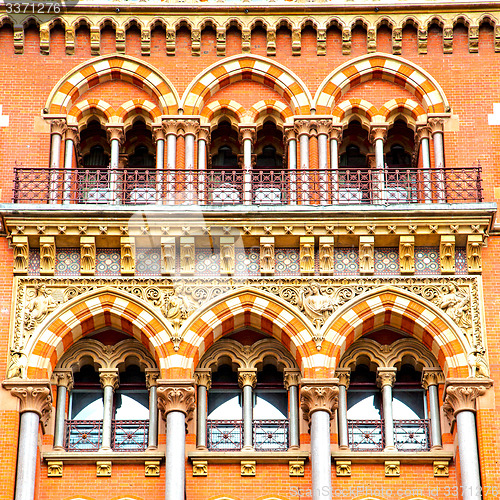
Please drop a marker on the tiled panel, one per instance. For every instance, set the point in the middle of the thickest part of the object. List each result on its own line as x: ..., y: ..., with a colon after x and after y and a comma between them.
x: 34, y: 262
x: 346, y: 261
x: 461, y: 260
x: 247, y: 261
x: 147, y: 261
x: 207, y: 262
x: 387, y: 261
x: 107, y: 262
x: 287, y: 262
x: 67, y: 262
x: 427, y: 260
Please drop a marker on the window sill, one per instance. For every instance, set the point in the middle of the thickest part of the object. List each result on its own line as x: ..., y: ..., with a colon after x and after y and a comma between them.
x: 402, y: 456
x: 258, y: 456
x: 113, y: 456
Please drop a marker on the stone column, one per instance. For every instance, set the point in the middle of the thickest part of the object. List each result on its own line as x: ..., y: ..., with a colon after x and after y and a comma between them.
x: 247, y: 138
x: 344, y: 376
x: 203, y: 378
x: 303, y: 131
x: 109, y: 382
x: 292, y: 380
x: 152, y: 375
x: 63, y: 378
x: 323, y: 129
x: 378, y: 136
x: 422, y: 136
x: 460, y: 405
x: 335, y: 140
x: 430, y: 382
x: 57, y: 129
x: 72, y: 138
x: 437, y: 128
x: 203, y: 151
x: 319, y: 400
x: 176, y: 400
x: 191, y: 129
x: 291, y: 143
x: 159, y: 138
x: 35, y: 405
x: 170, y: 130
x: 116, y: 137
x: 247, y: 380
x: 386, y: 378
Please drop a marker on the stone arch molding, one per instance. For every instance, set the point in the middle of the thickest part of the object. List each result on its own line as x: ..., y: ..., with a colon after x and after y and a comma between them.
x: 90, y: 312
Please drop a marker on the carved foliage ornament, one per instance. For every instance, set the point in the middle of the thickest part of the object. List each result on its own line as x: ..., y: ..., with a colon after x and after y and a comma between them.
x: 34, y: 396
x: 461, y: 395
x: 318, y: 396
x: 176, y: 397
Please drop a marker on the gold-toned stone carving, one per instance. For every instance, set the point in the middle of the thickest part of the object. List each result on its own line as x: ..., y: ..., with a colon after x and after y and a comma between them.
x: 448, y: 40
x: 203, y: 376
x: 474, y: 253
x: 54, y: 468
x: 168, y: 253
x: 176, y: 395
x: 397, y: 41
x: 291, y: 377
x: 392, y: 468
x: 344, y: 376
x: 473, y: 39
x: 200, y: 468
x: 34, y: 396
x: 170, y: 42
x: 103, y: 468
x: 386, y: 376
x: 407, y: 254
x: 455, y: 302
x: 47, y: 255
x: 17, y: 365
x: 95, y: 40
x: 267, y: 259
x: 296, y: 42
x: 309, y: 229
x: 227, y: 259
x: 477, y: 362
x: 441, y: 468
x: 321, y: 42
x: 422, y: 40
x: 63, y: 377
x: 431, y: 376
x: 87, y: 255
x: 127, y: 245
x: 145, y: 42
x: 152, y: 375
x: 45, y: 39
x: 346, y: 41
x: 447, y: 253
x: 21, y: 254
x: 246, y: 38
x: 296, y: 468
x: 187, y: 255
x: 109, y: 377
x: 152, y: 468
x: 40, y: 303
x: 247, y: 376
x: 497, y: 38
x: 316, y: 304
x: 371, y: 40
x: 18, y: 39
x: 221, y: 41
x: 42, y: 229
x: 69, y: 40
x: 120, y: 40
x: 326, y: 254
x: 366, y: 254
x: 319, y: 395
x: 307, y: 254
x: 248, y: 467
x: 271, y: 42
x: 288, y: 229
x: 343, y: 468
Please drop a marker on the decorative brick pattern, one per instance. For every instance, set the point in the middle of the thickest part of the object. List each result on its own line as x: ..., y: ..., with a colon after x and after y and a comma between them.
x: 346, y: 261
x: 287, y: 262
x: 34, y: 262
x: 247, y: 262
x: 461, y: 260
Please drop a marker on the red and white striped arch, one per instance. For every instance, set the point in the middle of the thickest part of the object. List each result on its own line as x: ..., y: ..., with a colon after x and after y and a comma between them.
x: 112, y: 67
x: 404, y: 311
x: 90, y: 107
x: 141, y: 107
x: 89, y: 313
x: 223, y: 107
x: 359, y: 107
x: 402, y: 106
x: 385, y: 67
x: 270, y: 107
x: 257, y: 68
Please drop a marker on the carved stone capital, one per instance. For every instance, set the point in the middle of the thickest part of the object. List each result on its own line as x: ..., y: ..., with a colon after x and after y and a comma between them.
x: 336, y: 133
x: 170, y: 126
x: 203, y: 376
x: 115, y: 132
x: 246, y: 132
x: 247, y: 376
x: 423, y: 132
x: 378, y: 132
x: 291, y: 377
x: 152, y: 375
x: 188, y: 127
x: 204, y: 134
x: 431, y: 376
x: 319, y: 395
x: 289, y: 133
x: 344, y: 376
x: 176, y: 395
x: 109, y: 377
x: 303, y: 127
x: 63, y: 378
x: 436, y: 125
x: 158, y: 133
x: 323, y: 127
x: 34, y: 395
x: 72, y: 134
x: 58, y: 126
x: 386, y: 376
x: 461, y: 395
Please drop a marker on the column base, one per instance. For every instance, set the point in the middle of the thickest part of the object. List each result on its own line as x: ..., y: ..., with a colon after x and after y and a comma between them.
x: 294, y: 448
x: 344, y: 447
x: 151, y: 448
x: 390, y: 449
x: 202, y: 448
x: 437, y: 447
x: 105, y: 449
x: 248, y: 448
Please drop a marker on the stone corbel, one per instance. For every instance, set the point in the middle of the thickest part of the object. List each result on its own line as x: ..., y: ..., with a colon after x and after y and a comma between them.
x: 447, y: 254
x: 371, y: 40
x: 170, y: 41
x: 318, y: 395
x: 47, y: 255
x: 448, y: 39
x: 45, y: 39
x: 246, y: 40
x: 422, y: 40
x: 18, y: 39
x: 87, y: 255
x: 307, y: 260
x: 296, y: 42
x: 168, y: 255
x: 346, y: 41
x: 326, y: 254
x: 221, y: 41
x: 321, y: 42
x: 227, y: 259
x: 145, y: 42
x: 474, y: 253
x: 187, y: 255
x: 407, y: 254
x: 21, y: 249
x: 473, y: 39
x: 271, y: 42
x: 95, y: 40
x: 267, y: 256
x: 176, y: 395
x: 120, y: 40
x: 127, y: 245
x: 366, y: 254
x: 497, y: 38
x: 397, y: 41
x: 69, y: 40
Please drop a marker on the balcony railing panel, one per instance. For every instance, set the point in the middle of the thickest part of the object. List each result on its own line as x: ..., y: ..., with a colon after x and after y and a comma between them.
x: 139, y: 186
x: 130, y: 435
x: 366, y: 435
x: 225, y: 435
x: 270, y: 435
x: 83, y: 435
x: 412, y: 435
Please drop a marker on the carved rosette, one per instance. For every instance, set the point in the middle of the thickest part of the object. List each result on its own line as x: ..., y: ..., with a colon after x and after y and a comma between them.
x: 319, y: 395
x: 176, y: 395
x: 203, y: 377
x: 34, y: 396
x: 247, y: 376
x: 461, y: 395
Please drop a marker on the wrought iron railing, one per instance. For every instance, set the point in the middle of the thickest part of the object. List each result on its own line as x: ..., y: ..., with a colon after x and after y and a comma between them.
x: 412, y: 435
x: 86, y: 435
x: 140, y: 186
x: 83, y: 435
x: 129, y: 435
x: 227, y: 435
x: 369, y: 435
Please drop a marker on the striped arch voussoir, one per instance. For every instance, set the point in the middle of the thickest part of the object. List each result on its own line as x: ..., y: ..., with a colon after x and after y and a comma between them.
x: 112, y: 67
x: 87, y: 314
x: 404, y: 106
x: 270, y: 107
x: 380, y: 66
x: 359, y: 107
x: 255, y: 68
x: 248, y: 309
x: 90, y: 107
x: 141, y: 107
x: 221, y: 107
x: 404, y: 312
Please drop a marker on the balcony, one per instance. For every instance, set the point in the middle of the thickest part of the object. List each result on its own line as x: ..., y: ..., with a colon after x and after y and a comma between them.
x: 345, y: 186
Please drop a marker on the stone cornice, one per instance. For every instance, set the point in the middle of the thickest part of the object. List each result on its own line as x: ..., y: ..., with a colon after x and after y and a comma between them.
x: 176, y: 395
x: 319, y: 395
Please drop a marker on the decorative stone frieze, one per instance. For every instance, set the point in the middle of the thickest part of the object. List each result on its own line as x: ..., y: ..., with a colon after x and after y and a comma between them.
x: 296, y: 468
x: 47, y: 255
x: 248, y: 467
x: 187, y: 255
x: 87, y: 255
x: 407, y: 254
x: 267, y: 258
x: 176, y: 395
x: 34, y: 396
x: 307, y: 254
x: 21, y: 249
x: 319, y: 395
x: 227, y: 259
x: 203, y: 377
x: 200, y: 468
x: 152, y: 468
x: 392, y: 468
x: 127, y: 247
x: 103, y: 468
x: 343, y: 468
x: 247, y: 376
x: 447, y: 254
x: 54, y: 468
x: 474, y: 253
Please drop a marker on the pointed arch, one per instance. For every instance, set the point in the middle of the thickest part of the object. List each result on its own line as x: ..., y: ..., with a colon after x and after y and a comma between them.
x: 112, y: 67
x: 248, y: 307
x: 409, y: 313
x: 257, y: 68
x: 138, y: 107
x: 91, y: 107
x: 359, y: 107
x: 267, y: 107
x: 228, y: 107
x: 403, y: 106
x: 394, y: 69
x: 90, y: 312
